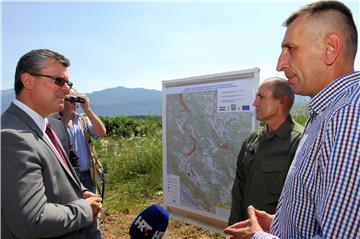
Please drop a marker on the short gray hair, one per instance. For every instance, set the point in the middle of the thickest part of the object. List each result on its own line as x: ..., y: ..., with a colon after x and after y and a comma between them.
x: 280, y: 87
x: 33, y: 62
x: 336, y: 15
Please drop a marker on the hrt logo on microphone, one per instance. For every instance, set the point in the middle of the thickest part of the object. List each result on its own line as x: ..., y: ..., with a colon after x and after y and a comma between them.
x: 144, y: 227
x: 158, y: 235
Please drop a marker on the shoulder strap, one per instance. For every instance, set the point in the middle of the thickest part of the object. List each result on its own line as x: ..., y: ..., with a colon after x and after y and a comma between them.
x: 83, y: 123
x: 96, y: 169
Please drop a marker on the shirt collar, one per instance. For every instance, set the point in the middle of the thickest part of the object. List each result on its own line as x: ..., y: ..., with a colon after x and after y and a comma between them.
x: 331, y: 92
x: 282, y: 131
x: 59, y: 116
x: 39, y: 120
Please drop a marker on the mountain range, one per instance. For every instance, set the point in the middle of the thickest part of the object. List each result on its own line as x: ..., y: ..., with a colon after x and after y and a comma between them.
x: 112, y: 101
x: 121, y: 101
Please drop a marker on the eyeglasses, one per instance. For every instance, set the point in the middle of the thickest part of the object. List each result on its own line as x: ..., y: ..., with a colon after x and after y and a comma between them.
x: 59, y: 81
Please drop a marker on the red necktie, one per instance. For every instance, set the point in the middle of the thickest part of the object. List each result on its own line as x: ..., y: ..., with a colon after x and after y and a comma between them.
x: 51, y: 135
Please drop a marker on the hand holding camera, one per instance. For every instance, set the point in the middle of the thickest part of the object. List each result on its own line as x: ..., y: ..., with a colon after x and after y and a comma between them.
x: 71, y: 104
x: 83, y: 100
x: 73, y: 99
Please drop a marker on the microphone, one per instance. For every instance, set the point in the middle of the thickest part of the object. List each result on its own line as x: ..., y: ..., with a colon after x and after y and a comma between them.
x: 151, y: 223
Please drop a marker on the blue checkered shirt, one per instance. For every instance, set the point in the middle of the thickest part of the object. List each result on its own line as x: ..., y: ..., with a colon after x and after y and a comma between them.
x: 321, y: 195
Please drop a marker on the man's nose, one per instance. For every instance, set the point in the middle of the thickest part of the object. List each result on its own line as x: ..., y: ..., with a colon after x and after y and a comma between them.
x: 282, y: 63
x: 66, y: 88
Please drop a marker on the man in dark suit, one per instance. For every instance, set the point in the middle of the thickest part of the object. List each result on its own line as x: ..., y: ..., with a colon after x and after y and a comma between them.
x: 41, y: 196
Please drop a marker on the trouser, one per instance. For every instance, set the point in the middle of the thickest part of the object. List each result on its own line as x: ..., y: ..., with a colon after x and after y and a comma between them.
x: 93, y: 231
x: 86, y: 180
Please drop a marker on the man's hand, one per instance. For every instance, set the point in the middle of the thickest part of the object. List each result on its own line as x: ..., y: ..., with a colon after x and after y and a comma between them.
x: 246, y: 229
x: 264, y: 219
x: 97, y: 124
x: 94, y: 201
x: 87, y: 194
x: 86, y: 105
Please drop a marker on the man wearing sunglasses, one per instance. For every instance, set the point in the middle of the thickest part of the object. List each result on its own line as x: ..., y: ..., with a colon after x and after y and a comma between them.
x: 41, y: 196
x: 79, y: 128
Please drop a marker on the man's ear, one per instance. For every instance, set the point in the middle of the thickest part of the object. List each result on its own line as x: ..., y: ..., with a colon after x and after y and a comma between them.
x: 27, y: 80
x: 284, y: 100
x: 333, y: 44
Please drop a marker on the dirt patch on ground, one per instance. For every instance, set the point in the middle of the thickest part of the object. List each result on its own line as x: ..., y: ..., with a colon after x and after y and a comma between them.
x: 115, y: 225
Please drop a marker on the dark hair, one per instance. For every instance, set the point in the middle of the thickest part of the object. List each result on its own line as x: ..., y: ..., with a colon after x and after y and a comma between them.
x: 345, y: 18
x: 33, y: 62
x: 280, y: 88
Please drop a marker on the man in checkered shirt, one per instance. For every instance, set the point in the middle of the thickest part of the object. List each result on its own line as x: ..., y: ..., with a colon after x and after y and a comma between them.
x: 321, y: 195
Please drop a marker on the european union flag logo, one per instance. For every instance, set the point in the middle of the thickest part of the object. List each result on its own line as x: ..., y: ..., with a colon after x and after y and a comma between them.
x: 246, y: 107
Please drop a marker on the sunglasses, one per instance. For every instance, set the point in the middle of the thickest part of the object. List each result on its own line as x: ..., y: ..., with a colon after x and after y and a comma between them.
x: 59, y: 81
x: 73, y: 99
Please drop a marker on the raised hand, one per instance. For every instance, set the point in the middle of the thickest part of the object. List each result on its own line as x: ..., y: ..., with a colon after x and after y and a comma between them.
x: 246, y: 229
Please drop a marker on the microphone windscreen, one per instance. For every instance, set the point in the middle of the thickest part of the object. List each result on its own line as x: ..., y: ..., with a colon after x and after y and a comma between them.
x: 150, y: 223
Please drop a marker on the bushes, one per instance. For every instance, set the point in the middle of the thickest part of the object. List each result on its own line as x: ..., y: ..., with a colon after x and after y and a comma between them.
x: 300, y: 113
x: 130, y: 126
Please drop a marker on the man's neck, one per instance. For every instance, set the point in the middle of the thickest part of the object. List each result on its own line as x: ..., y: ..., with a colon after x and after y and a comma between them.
x: 29, y: 103
x: 273, y: 125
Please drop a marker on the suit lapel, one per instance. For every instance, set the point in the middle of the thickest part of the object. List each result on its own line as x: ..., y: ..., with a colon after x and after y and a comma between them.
x: 19, y: 113
x: 67, y: 167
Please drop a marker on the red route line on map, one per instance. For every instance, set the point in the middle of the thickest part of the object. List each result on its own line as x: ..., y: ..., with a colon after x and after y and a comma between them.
x: 184, y: 107
x: 194, y: 142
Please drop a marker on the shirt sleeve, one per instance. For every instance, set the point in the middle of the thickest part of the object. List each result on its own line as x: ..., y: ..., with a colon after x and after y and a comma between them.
x: 338, y: 207
x: 264, y: 235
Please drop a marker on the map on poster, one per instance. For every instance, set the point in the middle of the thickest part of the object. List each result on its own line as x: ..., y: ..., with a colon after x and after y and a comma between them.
x: 205, y: 121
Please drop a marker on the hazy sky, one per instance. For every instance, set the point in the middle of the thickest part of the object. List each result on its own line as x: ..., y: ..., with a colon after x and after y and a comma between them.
x: 141, y: 44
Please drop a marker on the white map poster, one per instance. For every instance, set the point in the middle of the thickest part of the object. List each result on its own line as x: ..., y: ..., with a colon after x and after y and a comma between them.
x: 205, y: 121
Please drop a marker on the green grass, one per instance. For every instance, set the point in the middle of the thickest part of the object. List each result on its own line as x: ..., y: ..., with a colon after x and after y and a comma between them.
x: 133, y: 169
